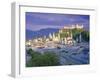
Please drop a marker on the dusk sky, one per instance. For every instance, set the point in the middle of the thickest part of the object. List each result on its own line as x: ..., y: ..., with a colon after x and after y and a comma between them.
x: 36, y: 21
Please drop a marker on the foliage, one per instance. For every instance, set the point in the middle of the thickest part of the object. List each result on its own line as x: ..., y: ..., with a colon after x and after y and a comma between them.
x: 85, y: 36
x: 76, y: 33
x: 63, y: 35
x: 84, y: 33
x: 45, y: 59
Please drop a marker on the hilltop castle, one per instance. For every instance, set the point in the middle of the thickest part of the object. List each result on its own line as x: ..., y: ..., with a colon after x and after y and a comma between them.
x: 68, y: 39
x: 63, y: 37
x: 71, y: 27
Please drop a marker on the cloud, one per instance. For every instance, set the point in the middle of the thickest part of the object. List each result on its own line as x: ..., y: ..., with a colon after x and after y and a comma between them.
x: 42, y: 20
x: 38, y: 27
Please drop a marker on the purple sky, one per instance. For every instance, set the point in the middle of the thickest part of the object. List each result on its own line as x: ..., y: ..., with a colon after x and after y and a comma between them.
x: 36, y: 21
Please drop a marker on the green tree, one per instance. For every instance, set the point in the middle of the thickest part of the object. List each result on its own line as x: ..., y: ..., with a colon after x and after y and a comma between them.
x: 76, y: 33
x: 85, y: 36
x: 45, y: 59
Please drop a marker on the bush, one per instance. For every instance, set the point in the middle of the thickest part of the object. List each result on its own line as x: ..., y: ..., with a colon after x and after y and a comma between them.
x: 45, y: 59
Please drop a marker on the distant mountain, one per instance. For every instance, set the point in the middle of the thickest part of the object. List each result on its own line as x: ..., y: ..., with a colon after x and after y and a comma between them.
x: 40, y: 33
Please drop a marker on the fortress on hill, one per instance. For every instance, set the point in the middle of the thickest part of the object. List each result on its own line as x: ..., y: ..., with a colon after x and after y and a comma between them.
x: 63, y: 37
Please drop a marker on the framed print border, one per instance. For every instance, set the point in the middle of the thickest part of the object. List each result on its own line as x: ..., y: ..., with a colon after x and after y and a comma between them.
x: 18, y: 40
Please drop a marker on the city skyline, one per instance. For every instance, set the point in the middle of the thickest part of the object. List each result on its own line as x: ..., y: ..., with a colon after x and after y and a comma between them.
x: 54, y: 39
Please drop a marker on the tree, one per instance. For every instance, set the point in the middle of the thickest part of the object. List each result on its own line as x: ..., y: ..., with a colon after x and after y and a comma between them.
x: 45, y: 59
x: 85, y: 36
x: 76, y: 32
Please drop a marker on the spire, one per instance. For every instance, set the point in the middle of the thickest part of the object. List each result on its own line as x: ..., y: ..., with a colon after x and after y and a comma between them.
x: 53, y: 35
x: 50, y: 36
x: 80, y: 37
x: 71, y: 35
